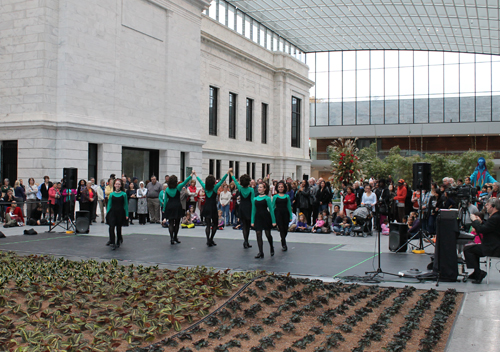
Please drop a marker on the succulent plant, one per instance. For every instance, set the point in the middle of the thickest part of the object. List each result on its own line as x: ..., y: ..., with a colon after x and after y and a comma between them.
x: 257, y: 329
x: 288, y: 327
x: 261, y: 285
x: 238, y: 322
x: 200, y: 344
x: 242, y: 336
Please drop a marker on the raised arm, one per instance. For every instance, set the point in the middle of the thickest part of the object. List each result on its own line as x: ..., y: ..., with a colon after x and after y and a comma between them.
x: 236, y: 183
x: 186, y: 181
x: 271, y: 209
x: 201, y: 182
x: 220, y: 183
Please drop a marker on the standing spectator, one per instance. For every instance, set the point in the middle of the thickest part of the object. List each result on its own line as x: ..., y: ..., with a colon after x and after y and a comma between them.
x: 153, y: 197
x: 102, y: 194
x: 350, y: 201
x: 304, y: 201
x: 5, y: 187
x: 19, y: 191
x: 192, y: 193
x: 233, y: 204
x: 108, y: 190
x: 44, y: 190
x: 132, y: 202
x: 408, y: 202
x: 358, y: 192
x: 95, y: 188
x: 224, y: 199
x: 392, y: 204
x: 56, y: 201
x: 82, y: 185
x: 324, y: 197
x: 400, y: 199
x: 313, y: 191
x: 87, y: 197
x: 142, y: 203
x: 31, y: 191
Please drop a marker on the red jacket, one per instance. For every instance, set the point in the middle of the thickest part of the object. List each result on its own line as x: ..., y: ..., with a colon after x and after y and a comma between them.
x: 52, y: 194
x: 350, y: 201
x: 401, y: 194
x: 18, y: 213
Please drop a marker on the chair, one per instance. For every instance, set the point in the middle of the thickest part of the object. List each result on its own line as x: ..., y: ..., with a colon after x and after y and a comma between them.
x: 488, y: 265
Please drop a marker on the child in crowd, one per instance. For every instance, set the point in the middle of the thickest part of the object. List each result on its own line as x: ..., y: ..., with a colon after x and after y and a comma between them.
x: 319, y: 223
x: 302, y: 224
x: 385, y: 227
x: 194, y: 217
x: 328, y: 222
x: 221, y: 221
x: 186, y: 221
x: 237, y: 226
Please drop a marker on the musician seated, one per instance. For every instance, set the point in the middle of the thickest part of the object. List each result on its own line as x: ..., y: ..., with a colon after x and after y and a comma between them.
x: 490, y: 245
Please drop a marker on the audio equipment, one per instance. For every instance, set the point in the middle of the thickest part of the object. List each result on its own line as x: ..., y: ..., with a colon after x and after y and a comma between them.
x: 70, y: 175
x: 422, y: 177
x: 82, y: 222
x: 398, y: 235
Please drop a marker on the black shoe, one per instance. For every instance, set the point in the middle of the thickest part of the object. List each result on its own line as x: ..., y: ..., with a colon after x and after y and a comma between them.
x: 113, y: 246
x: 245, y: 245
x: 209, y: 243
x: 117, y: 245
x: 284, y: 248
x: 260, y: 255
x: 213, y: 243
x: 176, y: 240
x: 120, y: 241
x: 109, y: 242
x: 480, y: 277
x: 249, y: 245
x: 272, y: 251
x: 172, y: 241
x: 131, y: 223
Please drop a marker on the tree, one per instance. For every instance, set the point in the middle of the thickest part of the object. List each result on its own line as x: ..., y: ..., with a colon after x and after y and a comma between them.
x: 345, y: 162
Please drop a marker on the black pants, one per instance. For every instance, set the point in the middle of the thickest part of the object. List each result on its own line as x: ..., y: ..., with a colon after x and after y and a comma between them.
x: 211, y: 228
x: 118, y: 234
x: 173, y: 227
x: 131, y: 216
x: 142, y: 218
x: 315, y: 212
x: 93, y: 210
x: 472, y: 255
x: 261, y: 243
x: 245, y: 226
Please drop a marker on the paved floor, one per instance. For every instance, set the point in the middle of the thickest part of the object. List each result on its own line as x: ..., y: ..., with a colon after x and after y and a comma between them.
x: 323, y: 256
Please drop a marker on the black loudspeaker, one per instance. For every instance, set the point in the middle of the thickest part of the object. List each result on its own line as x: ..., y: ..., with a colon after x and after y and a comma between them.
x: 70, y: 175
x: 445, y: 253
x: 398, y: 235
x: 82, y: 222
x: 422, y: 177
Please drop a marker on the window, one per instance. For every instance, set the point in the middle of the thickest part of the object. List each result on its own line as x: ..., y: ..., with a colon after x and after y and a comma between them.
x: 183, y: 166
x: 263, y: 170
x: 92, y: 161
x: 253, y: 170
x: 231, y: 164
x: 237, y: 169
x: 232, y: 115
x: 295, y: 122
x: 249, y: 119
x: 268, y: 169
x: 212, y: 112
x: 264, y: 123
x: 248, y: 169
x: 217, y: 170
x: 211, y: 166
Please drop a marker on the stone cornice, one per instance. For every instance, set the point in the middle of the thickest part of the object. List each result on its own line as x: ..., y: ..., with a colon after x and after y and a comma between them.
x: 244, y: 55
x: 260, y: 156
x: 78, y: 127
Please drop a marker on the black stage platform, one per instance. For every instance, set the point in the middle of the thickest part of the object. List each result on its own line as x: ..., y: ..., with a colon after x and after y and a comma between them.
x: 319, y: 260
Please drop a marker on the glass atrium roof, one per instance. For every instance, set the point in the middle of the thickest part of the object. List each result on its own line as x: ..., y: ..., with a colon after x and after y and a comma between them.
x: 326, y: 25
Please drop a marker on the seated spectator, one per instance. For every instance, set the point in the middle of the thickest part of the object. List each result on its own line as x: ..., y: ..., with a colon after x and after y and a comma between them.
x: 342, y: 225
x: 302, y: 224
x: 194, y: 217
x: 14, y: 216
x: 35, y: 218
x: 292, y: 225
x: 319, y: 223
x: 385, y: 227
x: 237, y: 226
x: 186, y: 221
x: 326, y: 228
x: 221, y: 220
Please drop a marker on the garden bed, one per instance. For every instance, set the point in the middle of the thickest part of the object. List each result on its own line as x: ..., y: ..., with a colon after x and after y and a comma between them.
x: 51, y: 304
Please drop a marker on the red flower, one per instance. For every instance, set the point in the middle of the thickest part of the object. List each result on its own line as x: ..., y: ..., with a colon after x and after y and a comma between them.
x: 356, y: 157
x: 352, y: 161
x: 351, y: 171
x: 340, y: 163
x: 343, y: 154
x: 341, y: 178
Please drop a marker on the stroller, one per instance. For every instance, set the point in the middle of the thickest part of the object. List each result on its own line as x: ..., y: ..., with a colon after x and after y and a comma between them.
x: 361, y: 219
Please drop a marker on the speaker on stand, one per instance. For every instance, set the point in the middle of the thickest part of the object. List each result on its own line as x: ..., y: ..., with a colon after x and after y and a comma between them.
x: 422, y: 177
x: 70, y: 175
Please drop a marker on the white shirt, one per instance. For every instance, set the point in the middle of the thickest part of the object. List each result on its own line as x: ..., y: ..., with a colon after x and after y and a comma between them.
x: 225, y: 198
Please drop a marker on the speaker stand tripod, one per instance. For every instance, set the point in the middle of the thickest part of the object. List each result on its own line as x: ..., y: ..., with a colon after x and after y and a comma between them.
x: 70, y: 225
x: 379, y: 270
x: 422, y: 233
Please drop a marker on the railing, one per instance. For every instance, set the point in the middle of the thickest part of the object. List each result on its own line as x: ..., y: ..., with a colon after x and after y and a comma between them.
x: 384, y: 153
